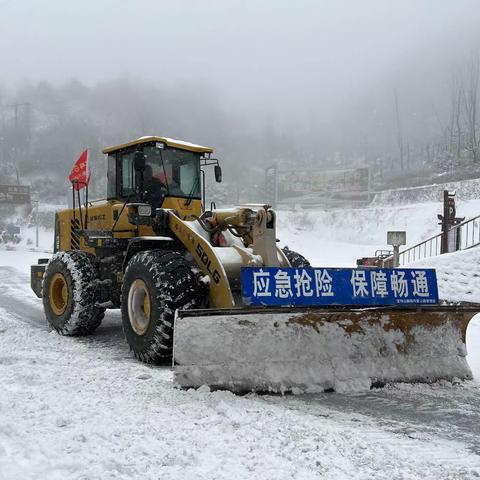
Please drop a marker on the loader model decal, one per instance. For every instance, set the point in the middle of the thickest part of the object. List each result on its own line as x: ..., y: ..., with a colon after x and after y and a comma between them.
x: 338, y: 286
x: 95, y: 218
x: 202, y: 255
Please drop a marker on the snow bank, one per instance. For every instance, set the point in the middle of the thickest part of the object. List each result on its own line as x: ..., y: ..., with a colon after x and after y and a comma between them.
x: 458, y: 274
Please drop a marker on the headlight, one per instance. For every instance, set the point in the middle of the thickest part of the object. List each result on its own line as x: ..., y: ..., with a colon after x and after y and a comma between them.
x: 144, y: 210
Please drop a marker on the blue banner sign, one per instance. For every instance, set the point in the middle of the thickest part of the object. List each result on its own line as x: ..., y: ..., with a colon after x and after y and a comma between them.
x: 338, y: 286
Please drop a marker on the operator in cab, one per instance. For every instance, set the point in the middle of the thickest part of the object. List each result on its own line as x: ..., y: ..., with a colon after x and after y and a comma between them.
x: 155, y: 189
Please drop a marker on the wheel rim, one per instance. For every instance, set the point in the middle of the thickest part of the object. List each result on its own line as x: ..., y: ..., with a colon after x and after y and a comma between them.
x: 139, y: 307
x: 58, y: 294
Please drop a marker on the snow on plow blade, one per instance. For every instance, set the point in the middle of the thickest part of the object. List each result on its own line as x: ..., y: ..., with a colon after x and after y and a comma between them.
x: 318, y: 349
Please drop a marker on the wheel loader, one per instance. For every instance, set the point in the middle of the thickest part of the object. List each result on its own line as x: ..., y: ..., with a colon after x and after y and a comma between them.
x: 178, y: 272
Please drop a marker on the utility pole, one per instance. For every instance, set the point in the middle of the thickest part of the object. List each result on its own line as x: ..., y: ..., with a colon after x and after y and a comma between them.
x: 27, y: 110
x: 26, y: 117
x: 36, y: 223
x: 28, y: 126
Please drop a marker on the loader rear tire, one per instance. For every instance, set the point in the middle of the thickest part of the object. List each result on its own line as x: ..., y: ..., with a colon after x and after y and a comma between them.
x: 68, y: 292
x: 296, y: 260
x: 155, y: 285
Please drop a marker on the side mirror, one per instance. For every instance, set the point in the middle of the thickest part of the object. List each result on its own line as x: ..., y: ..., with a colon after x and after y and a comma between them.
x: 218, y: 173
x: 139, y: 162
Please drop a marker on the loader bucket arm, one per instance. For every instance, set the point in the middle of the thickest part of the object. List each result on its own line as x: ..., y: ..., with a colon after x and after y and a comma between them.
x: 318, y: 349
x: 220, y: 293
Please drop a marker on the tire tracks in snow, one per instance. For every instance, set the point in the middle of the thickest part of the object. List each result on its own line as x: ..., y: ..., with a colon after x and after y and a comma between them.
x: 21, y: 304
x: 438, y: 413
x: 18, y: 300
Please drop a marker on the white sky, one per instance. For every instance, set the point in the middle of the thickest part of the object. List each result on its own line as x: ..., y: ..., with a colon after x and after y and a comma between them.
x: 266, y: 56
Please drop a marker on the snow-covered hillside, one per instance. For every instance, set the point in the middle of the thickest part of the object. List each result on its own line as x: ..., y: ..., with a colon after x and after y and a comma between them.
x: 466, y: 190
x: 337, y: 238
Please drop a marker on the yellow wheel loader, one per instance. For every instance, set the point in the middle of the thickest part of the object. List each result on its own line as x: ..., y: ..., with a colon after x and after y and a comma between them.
x: 178, y: 271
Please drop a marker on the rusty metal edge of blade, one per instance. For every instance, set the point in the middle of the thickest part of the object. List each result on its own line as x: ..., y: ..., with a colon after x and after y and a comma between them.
x: 462, y: 307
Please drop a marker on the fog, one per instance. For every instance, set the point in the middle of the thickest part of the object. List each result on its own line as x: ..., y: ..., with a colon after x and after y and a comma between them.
x: 305, y: 82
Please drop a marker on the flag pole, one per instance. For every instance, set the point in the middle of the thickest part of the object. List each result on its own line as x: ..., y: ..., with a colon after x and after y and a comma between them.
x: 73, y: 200
x: 78, y: 177
x: 80, y: 206
x: 86, y: 206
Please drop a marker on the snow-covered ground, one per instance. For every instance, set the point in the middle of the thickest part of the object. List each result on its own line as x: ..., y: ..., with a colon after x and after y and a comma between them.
x: 83, y: 408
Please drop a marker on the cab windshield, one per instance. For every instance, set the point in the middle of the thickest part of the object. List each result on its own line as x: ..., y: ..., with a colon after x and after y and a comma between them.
x: 168, y: 172
x: 175, y: 170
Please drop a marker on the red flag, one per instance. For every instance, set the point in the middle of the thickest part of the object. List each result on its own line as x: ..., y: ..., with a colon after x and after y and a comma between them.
x: 79, y: 176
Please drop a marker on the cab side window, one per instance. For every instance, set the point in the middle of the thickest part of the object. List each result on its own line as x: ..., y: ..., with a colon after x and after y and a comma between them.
x: 128, y: 174
x: 111, y: 176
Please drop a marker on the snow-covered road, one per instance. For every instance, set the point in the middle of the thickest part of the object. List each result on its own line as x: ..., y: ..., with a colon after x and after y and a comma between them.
x: 83, y: 408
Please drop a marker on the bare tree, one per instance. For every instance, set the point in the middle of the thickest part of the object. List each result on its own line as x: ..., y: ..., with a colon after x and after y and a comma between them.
x: 399, y: 130
x: 455, y: 127
x: 470, y: 99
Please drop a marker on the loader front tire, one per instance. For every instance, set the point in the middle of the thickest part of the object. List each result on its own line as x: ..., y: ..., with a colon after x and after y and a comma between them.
x: 68, y: 292
x: 296, y: 260
x: 155, y: 285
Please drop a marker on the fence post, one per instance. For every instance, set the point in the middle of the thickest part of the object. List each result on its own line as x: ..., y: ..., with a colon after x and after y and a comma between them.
x: 396, y: 259
x: 445, y: 217
x: 448, y: 220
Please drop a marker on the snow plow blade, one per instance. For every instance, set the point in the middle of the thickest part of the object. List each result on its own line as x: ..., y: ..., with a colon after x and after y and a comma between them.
x: 317, y: 349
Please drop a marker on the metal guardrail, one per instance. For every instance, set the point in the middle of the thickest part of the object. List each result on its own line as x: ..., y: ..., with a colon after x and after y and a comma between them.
x: 426, y: 249
x: 461, y: 237
x: 469, y: 233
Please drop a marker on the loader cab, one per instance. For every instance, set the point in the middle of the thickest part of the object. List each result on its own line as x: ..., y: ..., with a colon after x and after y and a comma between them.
x: 171, y: 174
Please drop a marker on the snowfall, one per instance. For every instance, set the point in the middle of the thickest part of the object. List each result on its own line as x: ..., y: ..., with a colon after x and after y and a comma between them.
x: 83, y: 408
